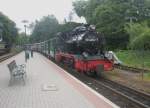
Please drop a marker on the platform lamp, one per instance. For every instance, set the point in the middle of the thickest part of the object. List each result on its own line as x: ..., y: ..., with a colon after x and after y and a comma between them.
x: 25, y: 27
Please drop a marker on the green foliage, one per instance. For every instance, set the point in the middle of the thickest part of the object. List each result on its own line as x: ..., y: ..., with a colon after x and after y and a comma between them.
x: 109, y: 19
x: 80, y: 7
x: 139, y: 35
x: 135, y: 58
x: 68, y: 26
x: 44, y: 29
x: 111, y: 16
x: 147, y: 76
x: 48, y: 27
x: 8, y: 28
x: 86, y: 9
x: 22, y: 39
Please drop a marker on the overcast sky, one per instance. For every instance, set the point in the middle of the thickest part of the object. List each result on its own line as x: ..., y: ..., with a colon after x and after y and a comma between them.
x: 18, y: 10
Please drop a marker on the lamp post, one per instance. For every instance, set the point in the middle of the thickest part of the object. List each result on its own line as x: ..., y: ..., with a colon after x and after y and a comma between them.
x: 25, y: 27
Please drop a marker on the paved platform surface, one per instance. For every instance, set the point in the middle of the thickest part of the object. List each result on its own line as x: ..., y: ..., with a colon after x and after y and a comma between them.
x: 46, y: 87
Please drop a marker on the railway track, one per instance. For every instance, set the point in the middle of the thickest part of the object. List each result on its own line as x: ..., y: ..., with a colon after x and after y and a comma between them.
x: 4, y: 51
x: 131, y: 69
x: 6, y: 56
x: 132, y: 98
x: 121, y: 95
x: 136, y: 97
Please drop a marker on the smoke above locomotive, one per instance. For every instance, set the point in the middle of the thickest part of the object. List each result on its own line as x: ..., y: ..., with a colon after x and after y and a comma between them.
x: 82, y: 39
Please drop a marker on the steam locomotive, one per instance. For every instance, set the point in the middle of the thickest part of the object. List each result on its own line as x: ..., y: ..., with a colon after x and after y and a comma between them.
x: 82, y: 49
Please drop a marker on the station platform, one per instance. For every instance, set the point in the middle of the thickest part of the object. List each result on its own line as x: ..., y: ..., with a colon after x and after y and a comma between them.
x: 47, y: 86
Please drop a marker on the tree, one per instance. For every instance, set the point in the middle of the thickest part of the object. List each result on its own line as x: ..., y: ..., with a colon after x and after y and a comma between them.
x: 80, y: 7
x: 70, y: 16
x: 67, y: 26
x: 86, y: 8
x: 64, y: 21
x: 48, y: 27
x: 44, y: 29
x: 139, y: 35
x: 22, y: 39
x: 111, y: 16
x: 8, y: 29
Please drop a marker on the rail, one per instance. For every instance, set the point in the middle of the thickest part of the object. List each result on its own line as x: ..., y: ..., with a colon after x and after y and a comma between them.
x: 137, y: 97
x: 6, y: 56
x: 131, y: 69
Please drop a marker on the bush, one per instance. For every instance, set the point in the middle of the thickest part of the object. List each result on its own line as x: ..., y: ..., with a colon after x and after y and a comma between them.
x: 142, y: 41
x: 139, y: 35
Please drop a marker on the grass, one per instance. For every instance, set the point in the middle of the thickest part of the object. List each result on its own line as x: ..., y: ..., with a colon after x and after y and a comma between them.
x: 135, y: 58
x: 147, y: 76
x: 139, y: 59
x: 2, y: 45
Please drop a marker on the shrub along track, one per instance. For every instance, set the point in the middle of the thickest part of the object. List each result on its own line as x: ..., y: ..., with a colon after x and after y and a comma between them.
x: 123, y: 96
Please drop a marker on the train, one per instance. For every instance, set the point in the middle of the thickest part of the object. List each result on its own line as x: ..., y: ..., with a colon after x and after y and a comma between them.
x: 4, y: 48
x: 82, y: 49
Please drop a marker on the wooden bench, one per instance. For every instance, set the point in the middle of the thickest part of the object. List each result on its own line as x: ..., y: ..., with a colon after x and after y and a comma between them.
x: 17, y: 71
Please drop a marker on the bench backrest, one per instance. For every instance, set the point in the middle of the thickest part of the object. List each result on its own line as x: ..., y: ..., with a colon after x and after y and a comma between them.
x: 12, y: 65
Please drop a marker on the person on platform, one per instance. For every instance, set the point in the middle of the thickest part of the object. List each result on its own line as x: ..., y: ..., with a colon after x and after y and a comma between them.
x: 26, y: 55
x: 31, y: 53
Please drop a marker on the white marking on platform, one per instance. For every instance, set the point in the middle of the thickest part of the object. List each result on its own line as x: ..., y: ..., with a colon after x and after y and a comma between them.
x: 49, y: 87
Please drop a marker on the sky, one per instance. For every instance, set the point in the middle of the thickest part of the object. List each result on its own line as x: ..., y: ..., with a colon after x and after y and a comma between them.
x: 19, y: 10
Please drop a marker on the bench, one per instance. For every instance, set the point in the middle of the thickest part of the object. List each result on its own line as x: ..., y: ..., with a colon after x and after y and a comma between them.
x: 16, y: 71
